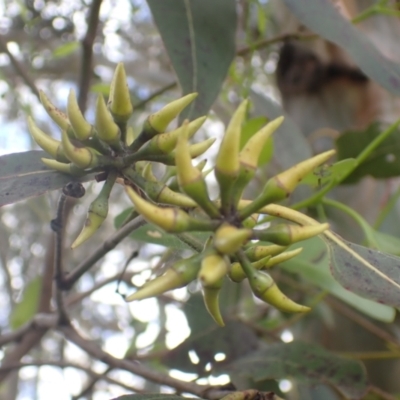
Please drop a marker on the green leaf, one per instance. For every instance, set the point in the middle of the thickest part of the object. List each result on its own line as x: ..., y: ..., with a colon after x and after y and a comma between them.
x: 199, y: 36
x: 252, y: 126
x: 27, y: 307
x: 364, y: 271
x: 387, y: 243
x: 155, y: 396
x: 327, y: 173
x: 290, y: 145
x: 383, y: 162
x: 65, y: 49
x: 324, y: 19
x: 306, y: 363
x: 121, y: 217
x: 23, y: 175
x: 312, y: 264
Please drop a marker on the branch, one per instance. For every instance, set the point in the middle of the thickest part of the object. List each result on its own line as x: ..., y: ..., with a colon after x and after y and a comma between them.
x: 101, y: 251
x: 87, y: 55
x: 159, y: 92
x: 276, y: 39
x: 63, y: 364
x: 19, y: 68
x: 138, y: 369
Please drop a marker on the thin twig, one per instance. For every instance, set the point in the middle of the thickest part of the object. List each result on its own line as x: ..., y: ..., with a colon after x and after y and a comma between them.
x: 159, y: 92
x: 362, y: 321
x: 75, y: 190
x: 383, y: 395
x: 64, y: 364
x: 87, y: 55
x: 19, y: 68
x: 138, y: 369
x: 101, y: 251
x: 276, y: 39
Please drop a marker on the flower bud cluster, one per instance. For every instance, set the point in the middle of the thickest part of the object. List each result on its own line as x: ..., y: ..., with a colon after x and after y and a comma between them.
x: 180, y: 201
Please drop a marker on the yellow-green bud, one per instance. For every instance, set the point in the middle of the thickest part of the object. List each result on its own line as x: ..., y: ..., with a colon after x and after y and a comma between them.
x: 213, y: 268
x: 82, y: 129
x: 83, y: 157
x: 119, y: 101
x: 179, y: 275
x: 46, y: 142
x: 190, y: 178
x: 257, y: 252
x: 169, y: 219
x: 227, y: 162
x: 97, y: 212
x: 280, y: 258
x: 70, y: 169
x: 55, y: 114
x: 107, y: 129
x: 211, y: 301
x: 286, y: 234
x: 228, y: 239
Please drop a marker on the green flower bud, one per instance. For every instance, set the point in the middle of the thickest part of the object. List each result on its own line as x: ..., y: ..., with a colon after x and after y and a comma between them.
x: 82, y: 129
x: 157, y: 123
x: 169, y: 219
x: 70, y: 169
x: 255, y: 253
x: 55, y: 114
x: 107, y: 130
x: 97, y: 212
x: 46, y: 142
x: 211, y: 301
x: 213, y: 268
x: 227, y: 162
x: 190, y: 178
x: 286, y: 234
x: 228, y: 239
x: 119, y: 102
x: 83, y: 157
x: 179, y: 275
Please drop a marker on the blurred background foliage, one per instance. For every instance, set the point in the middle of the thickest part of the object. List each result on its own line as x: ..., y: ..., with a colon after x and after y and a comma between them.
x: 334, y: 73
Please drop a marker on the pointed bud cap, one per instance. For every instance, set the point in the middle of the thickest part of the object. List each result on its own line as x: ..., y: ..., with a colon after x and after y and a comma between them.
x: 169, y: 219
x: 250, y: 153
x: 280, y: 258
x: 228, y: 239
x: 257, y: 252
x: 82, y: 129
x: 83, y: 157
x: 213, y: 268
x: 286, y: 234
x: 119, y: 102
x: 211, y: 301
x: 46, y: 142
x: 265, y: 289
x: 55, y: 114
x: 107, y: 129
x: 161, y: 119
x: 69, y: 168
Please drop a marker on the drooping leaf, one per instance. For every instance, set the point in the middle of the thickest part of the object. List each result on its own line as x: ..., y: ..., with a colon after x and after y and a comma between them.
x: 384, y: 161
x: 290, y: 145
x: 27, y: 307
x: 367, y: 272
x: 312, y: 264
x: 207, y: 339
x: 199, y: 36
x: 249, y: 128
x: 324, y: 19
x: 306, y: 363
x: 327, y: 173
x: 23, y: 175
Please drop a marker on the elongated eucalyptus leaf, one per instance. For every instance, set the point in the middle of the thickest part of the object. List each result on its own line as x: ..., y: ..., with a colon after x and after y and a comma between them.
x: 199, y: 36
x: 23, y: 175
x: 306, y: 363
x: 323, y: 18
x: 312, y: 264
x: 367, y: 272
